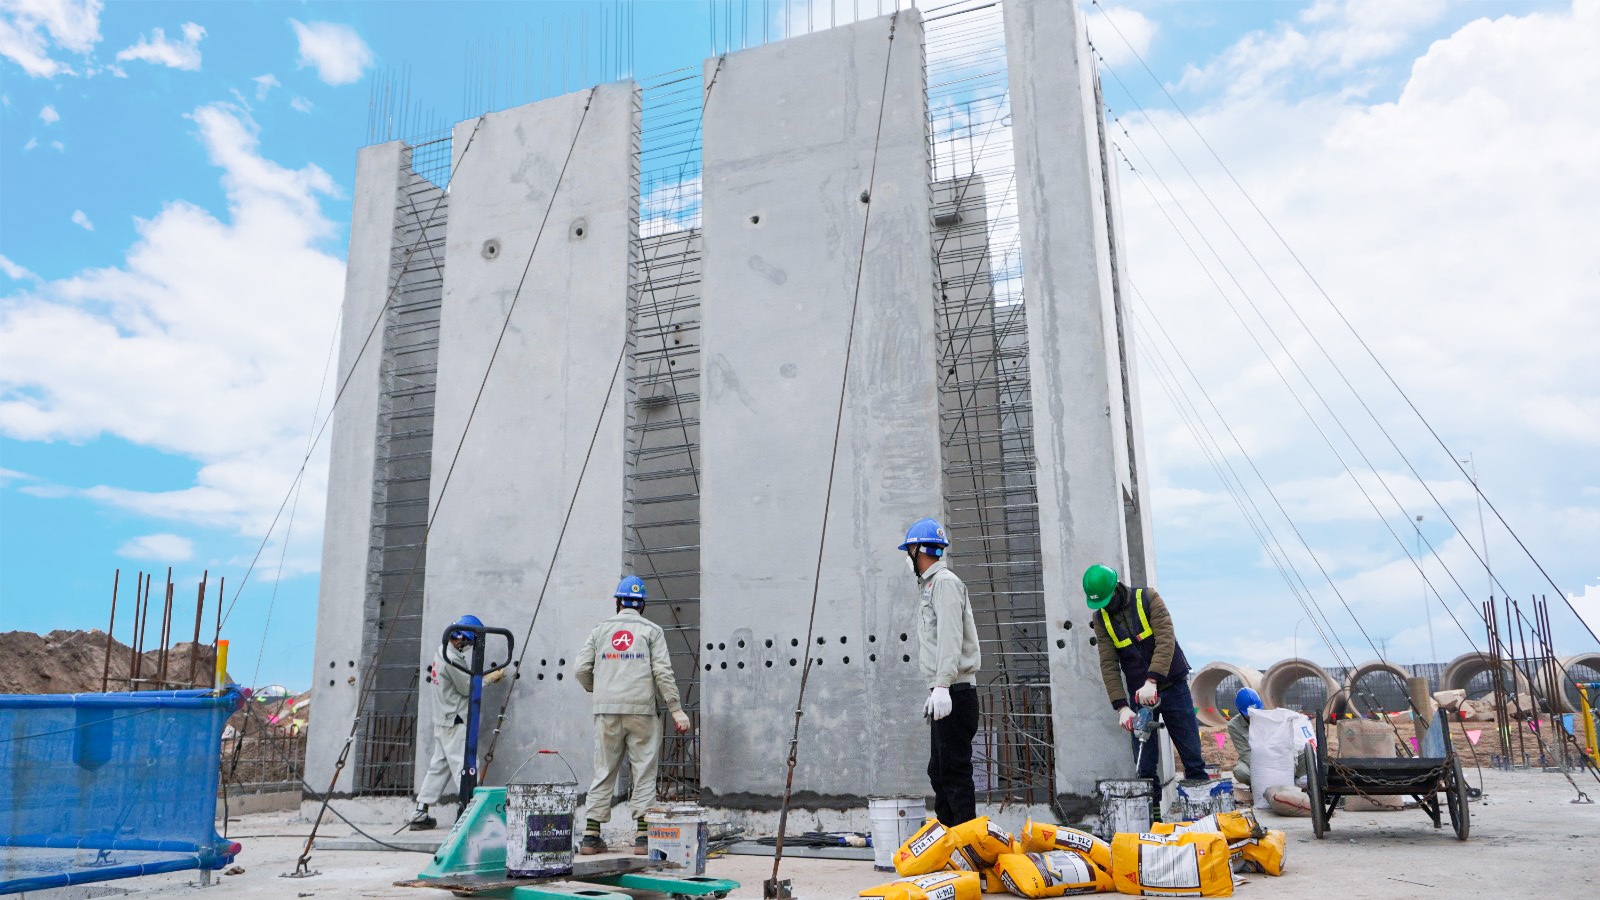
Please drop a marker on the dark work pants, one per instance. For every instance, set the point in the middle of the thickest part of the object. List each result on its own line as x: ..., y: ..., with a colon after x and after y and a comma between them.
x: 1176, y: 710
x: 950, y: 758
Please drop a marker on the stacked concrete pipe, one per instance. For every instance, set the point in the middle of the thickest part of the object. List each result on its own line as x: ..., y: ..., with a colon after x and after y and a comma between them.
x: 1285, y: 673
x: 1568, y: 671
x: 1339, y: 702
x: 1203, y: 685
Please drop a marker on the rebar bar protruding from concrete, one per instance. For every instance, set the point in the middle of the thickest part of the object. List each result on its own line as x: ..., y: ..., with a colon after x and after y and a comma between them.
x: 1203, y: 685
x: 199, y: 612
x: 105, y: 670
x: 1460, y: 672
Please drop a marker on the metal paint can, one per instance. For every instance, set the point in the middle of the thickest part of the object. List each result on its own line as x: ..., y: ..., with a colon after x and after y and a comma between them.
x: 1125, y: 806
x: 539, y: 829
x: 1198, y: 799
x: 894, y: 821
x: 678, y: 836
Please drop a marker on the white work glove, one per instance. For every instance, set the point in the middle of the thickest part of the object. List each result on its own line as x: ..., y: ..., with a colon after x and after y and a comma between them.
x: 1125, y: 719
x: 1147, y: 695
x: 680, y: 722
x: 494, y: 676
x: 938, y: 705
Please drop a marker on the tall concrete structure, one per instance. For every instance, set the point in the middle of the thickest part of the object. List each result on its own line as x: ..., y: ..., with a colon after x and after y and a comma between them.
x: 949, y: 222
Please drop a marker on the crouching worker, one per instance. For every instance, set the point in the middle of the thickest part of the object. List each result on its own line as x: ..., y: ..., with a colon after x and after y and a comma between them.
x: 452, y: 691
x: 1244, y: 703
x: 1140, y: 660
x: 626, y: 666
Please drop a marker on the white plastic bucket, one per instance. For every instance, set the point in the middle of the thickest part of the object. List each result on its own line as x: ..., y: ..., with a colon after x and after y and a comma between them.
x: 894, y: 821
x: 539, y: 830
x: 678, y: 836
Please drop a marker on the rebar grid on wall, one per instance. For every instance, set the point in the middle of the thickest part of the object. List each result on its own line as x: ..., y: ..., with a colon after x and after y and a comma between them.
x: 663, y: 477
x: 403, y: 462
x: 985, y: 405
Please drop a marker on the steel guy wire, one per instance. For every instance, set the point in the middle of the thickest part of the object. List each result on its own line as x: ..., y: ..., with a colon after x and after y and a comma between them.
x: 833, y: 461
x: 1359, y: 339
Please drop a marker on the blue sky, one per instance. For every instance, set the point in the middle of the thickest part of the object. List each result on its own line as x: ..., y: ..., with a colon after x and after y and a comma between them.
x: 175, y: 181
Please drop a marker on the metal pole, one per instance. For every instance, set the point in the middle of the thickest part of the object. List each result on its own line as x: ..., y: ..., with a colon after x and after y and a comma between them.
x: 1522, y: 643
x: 199, y: 613
x: 1427, y: 616
x: 105, y: 670
x: 166, y: 634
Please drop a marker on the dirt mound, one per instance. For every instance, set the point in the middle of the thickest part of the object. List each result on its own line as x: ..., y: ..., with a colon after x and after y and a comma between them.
x: 72, y: 662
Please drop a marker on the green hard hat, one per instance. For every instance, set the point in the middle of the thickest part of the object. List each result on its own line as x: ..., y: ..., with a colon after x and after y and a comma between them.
x: 1098, y: 584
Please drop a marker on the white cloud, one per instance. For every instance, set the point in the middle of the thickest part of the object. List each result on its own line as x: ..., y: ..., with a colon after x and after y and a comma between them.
x: 1453, y: 226
x: 32, y: 143
x: 49, y: 116
x: 59, y: 147
x: 337, y: 51
x: 248, y: 300
x: 81, y: 220
x: 169, y: 548
x: 14, y: 271
x: 155, y: 48
x: 7, y: 476
x: 300, y: 104
x: 31, y: 29
x: 1114, y: 28
x: 264, y: 84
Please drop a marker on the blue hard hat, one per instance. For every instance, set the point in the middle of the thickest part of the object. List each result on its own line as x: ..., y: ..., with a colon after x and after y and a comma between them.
x: 466, y: 620
x: 1246, y: 700
x: 632, y: 589
x: 925, y: 531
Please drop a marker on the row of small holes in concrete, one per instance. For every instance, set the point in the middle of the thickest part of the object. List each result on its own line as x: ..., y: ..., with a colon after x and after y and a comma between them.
x: 795, y: 642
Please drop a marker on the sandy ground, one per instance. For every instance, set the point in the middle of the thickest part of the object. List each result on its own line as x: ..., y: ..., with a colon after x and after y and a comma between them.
x: 1543, y: 847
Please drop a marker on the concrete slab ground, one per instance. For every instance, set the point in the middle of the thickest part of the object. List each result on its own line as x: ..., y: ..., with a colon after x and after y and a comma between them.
x: 1528, y: 840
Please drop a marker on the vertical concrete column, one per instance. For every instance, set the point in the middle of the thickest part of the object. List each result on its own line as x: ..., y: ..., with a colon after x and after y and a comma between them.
x: 1078, y: 410
x: 347, y: 530
x: 499, y: 512
x: 790, y: 135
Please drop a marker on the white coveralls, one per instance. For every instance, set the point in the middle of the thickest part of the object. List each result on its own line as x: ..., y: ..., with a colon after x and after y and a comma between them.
x: 625, y: 664
x: 451, y: 692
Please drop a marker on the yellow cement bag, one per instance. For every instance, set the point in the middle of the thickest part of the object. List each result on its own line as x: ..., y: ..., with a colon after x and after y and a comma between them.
x: 1041, y: 837
x: 926, y: 851
x: 1171, y: 865
x: 1264, y: 854
x: 937, y: 886
x: 981, y: 842
x: 1233, y: 826
x: 1054, y: 873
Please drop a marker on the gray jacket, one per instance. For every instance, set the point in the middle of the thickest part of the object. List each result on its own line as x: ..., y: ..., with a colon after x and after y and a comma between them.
x: 949, y: 638
x: 625, y: 664
x: 452, y: 688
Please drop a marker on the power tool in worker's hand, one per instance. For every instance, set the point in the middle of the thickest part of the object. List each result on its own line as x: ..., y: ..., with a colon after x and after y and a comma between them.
x: 1145, y: 724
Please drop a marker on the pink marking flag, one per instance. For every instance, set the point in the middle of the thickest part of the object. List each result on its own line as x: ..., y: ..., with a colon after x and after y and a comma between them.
x: 1473, y: 736
x: 1414, y: 745
x: 1221, y: 738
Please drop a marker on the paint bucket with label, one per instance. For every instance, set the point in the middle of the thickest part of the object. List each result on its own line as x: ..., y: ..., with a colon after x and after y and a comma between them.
x: 1125, y: 806
x: 894, y: 821
x: 1198, y: 799
x: 678, y: 836
x: 539, y: 826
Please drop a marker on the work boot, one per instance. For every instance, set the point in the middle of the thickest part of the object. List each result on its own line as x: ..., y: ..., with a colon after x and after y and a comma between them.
x: 641, y: 844
x: 591, y: 845
x: 421, y: 821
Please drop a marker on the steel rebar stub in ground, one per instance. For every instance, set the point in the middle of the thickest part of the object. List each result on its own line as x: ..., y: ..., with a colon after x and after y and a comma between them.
x: 773, y: 889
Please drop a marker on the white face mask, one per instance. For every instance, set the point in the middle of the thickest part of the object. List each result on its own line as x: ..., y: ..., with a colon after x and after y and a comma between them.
x: 911, y: 567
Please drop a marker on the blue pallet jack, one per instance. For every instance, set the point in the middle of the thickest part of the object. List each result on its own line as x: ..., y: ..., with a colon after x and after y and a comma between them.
x: 472, y: 862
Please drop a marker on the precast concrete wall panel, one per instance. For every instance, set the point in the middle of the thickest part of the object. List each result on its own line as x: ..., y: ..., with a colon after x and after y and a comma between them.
x: 790, y: 132
x: 1078, y: 410
x: 348, y: 524
x: 499, y: 512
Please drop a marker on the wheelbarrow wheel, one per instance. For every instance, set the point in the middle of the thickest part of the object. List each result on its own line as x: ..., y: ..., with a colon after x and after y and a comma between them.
x: 1457, y: 801
x: 1319, y: 822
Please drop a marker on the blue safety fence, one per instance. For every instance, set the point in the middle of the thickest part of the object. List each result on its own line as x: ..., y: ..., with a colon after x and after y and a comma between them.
x: 101, y: 786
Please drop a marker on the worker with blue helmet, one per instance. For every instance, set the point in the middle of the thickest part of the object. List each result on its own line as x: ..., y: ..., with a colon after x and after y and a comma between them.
x: 949, y: 658
x: 626, y: 666
x: 452, y: 691
x: 1245, y: 702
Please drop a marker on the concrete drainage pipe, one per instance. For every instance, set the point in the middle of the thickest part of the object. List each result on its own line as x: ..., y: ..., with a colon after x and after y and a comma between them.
x: 1468, y: 668
x: 1585, y: 667
x: 1203, y: 684
x: 1377, y: 687
x: 1298, y: 684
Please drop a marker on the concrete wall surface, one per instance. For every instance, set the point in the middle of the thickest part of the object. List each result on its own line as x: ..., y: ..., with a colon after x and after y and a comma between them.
x: 1078, y: 412
x: 497, y: 515
x: 789, y: 134
x: 347, y: 529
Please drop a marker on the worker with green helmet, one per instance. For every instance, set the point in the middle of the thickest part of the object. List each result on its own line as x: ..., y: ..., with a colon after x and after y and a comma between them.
x: 1141, y: 662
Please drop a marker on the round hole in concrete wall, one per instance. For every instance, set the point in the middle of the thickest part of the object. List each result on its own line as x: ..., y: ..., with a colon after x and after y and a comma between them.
x: 579, y: 229
x: 352, y: 664
x: 491, y: 249
x: 902, y: 636
x: 330, y: 682
x: 741, y: 665
x: 906, y: 658
x: 711, y: 646
x: 722, y: 665
x: 1067, y: 624
x: 769, y: 642
x: 872, y: 639
x: 558, y: 676
x: 872, y: 657
x: 541, y: 676
x: 846, y: 660
x: 769, y: 663
x: 562, y: 661
x: 544, y: 662
x: 791, y: 661
x: 794, y: 642
x: 1061, y: 645
x: 822, y: 640
x: 755, y: 220
x: 843, y: 639
x: 331, y: 664
x: 708, y: 667
x: 819, y: 660
x: 741, y: 645
x: 722, y: 646
x: 1092, y: 642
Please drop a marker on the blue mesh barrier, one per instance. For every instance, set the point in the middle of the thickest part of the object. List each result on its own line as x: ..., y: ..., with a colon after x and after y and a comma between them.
x: 101, y: 786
